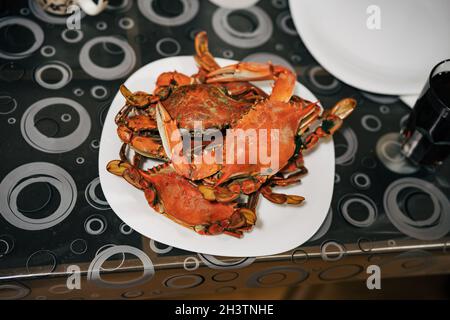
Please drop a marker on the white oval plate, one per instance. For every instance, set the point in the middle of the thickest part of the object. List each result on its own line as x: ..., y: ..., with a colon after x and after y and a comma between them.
x: 278, y: 229
x: 394, y: 60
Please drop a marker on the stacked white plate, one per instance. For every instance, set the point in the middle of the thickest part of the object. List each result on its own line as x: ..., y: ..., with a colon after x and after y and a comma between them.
x: 382, y: 46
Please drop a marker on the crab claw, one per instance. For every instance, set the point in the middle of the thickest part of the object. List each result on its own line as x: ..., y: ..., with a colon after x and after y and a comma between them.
x: 245, y: 71
x: 172, y: 140
x: 343, y: 108
x: 117, y: 167
x: 127, y: 171
x: 331, y: 121
x: 203, y: 57
x: 137, y: 99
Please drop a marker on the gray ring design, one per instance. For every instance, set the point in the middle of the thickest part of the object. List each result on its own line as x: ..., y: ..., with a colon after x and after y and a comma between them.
x: 434, y: 217
x: 95, y: 94
x: 78, y: 92
x: 95, y: 218
x: 101, y: 26
x: 95, y: 144
x: 359, y: 175
x: 27, y: 174
x: 99, y: 250
x: 67, y: 39
x: 361, y: 199
x: 66, y: 117
x: 46, y: 144
x: 361, y: 246
x: 227, y: 289
x: 296, y: 58
x: 300, y: 253
x: 253, y: 282
x: 384, y: 109
x: 168, y: 54
x: 197, y: 280
x: 279, y: 4
x: 196, y: 265
x: 368, y: 162
x: 426, y: 258
x: 52, y: 265
x: 126, y: 23
x: 95, y: 266
x: 396, y: 163
x: 24, y: 11
x: 125, y: 5
x: 66, y: 75
x: 6, y: 246
x: 324, y: 227
x: 353, y: 270
x: 39, y: 13
x: 379, y: 98
x: 20, y: 291
x: 8, y: 241
x: 337, y: 178
x: 91, y: 197
x: 282, y: 23
x: 158, y: 250
x: 352, y: 147
x: 366, y: 126
x: 190, y: 10
x: 214, y: 263
x: 418, y: 230
x: 312, y: 77
x: 14, y: 101
x: 228, y: 54
x: 125, y: 229
x: 119, y: 71
x: 12, y: 120
x: 324, y: 254
x: 132, y: 294
x: 72, y: 244
x: 225, y: 276
x: 49, y: 54
x: 239, y: 39
x: 59, y: 289
x: 37, y: 31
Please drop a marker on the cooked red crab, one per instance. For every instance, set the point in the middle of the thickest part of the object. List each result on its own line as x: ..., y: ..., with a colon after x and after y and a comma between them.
x: 188, y: 99
x: 180, y: 200
x: 291, y: 118
x: 207, y: 196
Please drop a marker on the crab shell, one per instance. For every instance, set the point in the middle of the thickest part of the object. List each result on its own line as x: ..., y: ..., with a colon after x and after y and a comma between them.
x: 206, y: 103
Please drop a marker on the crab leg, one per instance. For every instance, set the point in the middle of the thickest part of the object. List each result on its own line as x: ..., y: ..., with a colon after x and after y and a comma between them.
x: 330, y: 121
x: 280, y: 198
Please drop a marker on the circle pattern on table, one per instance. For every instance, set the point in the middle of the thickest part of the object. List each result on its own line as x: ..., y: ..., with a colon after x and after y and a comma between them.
x: 243, y: 39
x: 41, y: 142
x: 31, y: 173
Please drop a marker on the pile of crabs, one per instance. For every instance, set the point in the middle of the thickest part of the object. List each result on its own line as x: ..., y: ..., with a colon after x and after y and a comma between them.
x: 218, y: 197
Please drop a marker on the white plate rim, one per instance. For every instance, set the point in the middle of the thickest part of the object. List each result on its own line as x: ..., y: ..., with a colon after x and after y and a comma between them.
x: 346, y: 75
